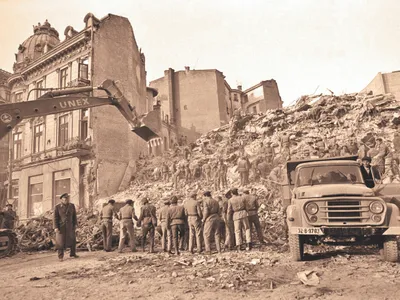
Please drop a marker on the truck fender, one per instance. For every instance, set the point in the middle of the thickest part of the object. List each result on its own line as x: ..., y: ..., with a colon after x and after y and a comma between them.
x: 293, y: 217
x: 393, y: 220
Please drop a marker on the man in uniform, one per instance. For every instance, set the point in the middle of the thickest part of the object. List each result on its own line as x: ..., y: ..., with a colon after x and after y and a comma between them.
x: 106, y: 216
x: 243, y: 169
x: 381, y: 151
x: 165, y: 231
x: 148, y: 221
x: 229, y: 227
x: 165, y: 171
x: 206, y: 171
x: 211, y: 222
x: 237, y: 211
x: 126, y: 215
x: 252, y: 213
x: 64, y: 224
x: 194, y: 216
x: 269, y: 153
x: 10, y: 217
x: 176, y: 221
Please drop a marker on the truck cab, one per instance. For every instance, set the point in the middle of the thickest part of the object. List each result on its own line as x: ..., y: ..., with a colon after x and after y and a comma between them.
x: 327, y: 201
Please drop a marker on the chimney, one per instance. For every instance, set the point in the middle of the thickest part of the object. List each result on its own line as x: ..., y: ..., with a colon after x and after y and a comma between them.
x: 187, y: 69
x: 239, y: 87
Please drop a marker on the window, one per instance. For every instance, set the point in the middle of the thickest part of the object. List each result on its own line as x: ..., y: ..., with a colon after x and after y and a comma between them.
x: 255, y: 109
x: 84, y: 123
x: 61, y: 183
x: 39, y: 85
x: 235, y: 98
x: 17, y: 145
x: 62, y: 130
x: 18, y: 97
x: 37, y: 138
x: 84, y: 69
x: 15, y: 193
x: 35, y: 207
x: 63, y: 78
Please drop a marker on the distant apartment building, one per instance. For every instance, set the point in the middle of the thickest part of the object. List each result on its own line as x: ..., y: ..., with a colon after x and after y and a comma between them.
x: 88, y: 152
x: 384, y: 83
x: 194, y: 102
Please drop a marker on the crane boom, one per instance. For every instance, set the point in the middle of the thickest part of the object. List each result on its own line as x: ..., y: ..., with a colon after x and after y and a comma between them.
x: 59, y: 101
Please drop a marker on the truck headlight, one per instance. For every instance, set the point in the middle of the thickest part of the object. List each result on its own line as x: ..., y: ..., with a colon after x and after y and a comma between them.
x: 312, y: 208
x: 376, y: 207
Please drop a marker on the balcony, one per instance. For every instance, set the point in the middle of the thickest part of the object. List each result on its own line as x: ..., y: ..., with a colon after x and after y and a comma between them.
x: 75, y: 147
x: 78, y: 82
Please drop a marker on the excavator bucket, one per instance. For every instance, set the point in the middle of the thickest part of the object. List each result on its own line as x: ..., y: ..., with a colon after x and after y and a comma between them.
x: 150, y: 126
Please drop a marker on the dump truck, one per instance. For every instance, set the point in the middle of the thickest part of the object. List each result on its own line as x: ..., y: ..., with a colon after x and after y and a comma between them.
x: 328, y: 202
x: 64, y: 100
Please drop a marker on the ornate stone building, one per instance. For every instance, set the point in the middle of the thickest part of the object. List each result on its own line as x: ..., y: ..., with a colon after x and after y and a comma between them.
x: 194, y: 102
x: 88, y: 153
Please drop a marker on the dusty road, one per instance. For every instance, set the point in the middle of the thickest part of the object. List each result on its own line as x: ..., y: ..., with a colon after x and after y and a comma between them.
x: 265, y: 274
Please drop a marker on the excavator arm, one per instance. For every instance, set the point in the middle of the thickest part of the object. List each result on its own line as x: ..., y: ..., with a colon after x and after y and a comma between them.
x: 59, y: 101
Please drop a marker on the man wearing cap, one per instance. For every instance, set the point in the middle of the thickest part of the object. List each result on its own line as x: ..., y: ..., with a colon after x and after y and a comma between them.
x: 165, y: 231
x: 10, y: 217
x: 211, y: 222
x: 126, y: 215
x: 148, y: 221
x: 237, y: 211
x: 243, y: 168
x: 252, y: 213
x: 64, y: 223
x: 229, y: 227
x: 176, y: 221
x: 369, y: 173
x: 194, y: 216
x: 106, y: 216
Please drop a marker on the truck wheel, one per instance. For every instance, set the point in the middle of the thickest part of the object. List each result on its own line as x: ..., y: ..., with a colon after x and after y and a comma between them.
x: 390, y: 249
x: 296, y: 245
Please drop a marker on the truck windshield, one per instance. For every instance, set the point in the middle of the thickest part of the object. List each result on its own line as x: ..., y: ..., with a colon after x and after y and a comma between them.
x: 333, y: 174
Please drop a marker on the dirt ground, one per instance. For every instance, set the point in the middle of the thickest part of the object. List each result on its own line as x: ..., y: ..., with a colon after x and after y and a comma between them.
x: 343, y: 273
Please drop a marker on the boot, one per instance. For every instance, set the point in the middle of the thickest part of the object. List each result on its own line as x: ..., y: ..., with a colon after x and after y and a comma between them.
x: 248, y: 246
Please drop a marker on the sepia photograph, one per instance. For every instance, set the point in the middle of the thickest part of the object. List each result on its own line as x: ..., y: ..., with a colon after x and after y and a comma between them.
x: 198, y: 149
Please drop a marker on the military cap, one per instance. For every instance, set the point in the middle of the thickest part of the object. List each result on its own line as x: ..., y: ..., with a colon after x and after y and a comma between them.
x: 65, y: 195
x: 367, y: 158
x: 167, y: 202
x: 174, y: 200
x: 129, y: 201
x: 207, y: 194
x: 111, y: 201
x: 145, y: 200
x: 246, y: 192
x: 234, y: 191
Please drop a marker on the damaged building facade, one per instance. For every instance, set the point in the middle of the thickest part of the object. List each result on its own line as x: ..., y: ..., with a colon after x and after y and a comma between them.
x: 194, y: 102
x: 88, y: 153
x: 384, y: 83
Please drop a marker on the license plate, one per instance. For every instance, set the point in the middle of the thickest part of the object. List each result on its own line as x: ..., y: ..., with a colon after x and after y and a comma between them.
x: 309, y: 231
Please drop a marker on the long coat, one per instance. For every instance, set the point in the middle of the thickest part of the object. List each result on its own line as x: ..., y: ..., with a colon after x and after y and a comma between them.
x: 65, y: 220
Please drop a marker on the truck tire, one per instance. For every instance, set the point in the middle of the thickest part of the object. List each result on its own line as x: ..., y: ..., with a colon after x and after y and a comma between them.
x: 390, y: 251
x: 296, y: 245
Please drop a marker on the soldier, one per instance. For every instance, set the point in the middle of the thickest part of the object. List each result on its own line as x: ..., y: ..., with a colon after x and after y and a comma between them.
x: 176, y: 177
x: 165, y: 232
x: 165, y: 171
x: 229, y: 227
x: 194, y: 215
x: 126, y: 215
x: 381, y: 151
x: 10, y: 217
x: 64, y: 223
x: 269, y: 153
x: 176, y: 221
x: 186, y: 170
x: 252, y: 214
x: 237, y: 211
x: 243, y: 169
x: 148, y: 221
x: 211, y: 222
x: 206, y: 171
x: 106, y: 216
x: 224, y: 172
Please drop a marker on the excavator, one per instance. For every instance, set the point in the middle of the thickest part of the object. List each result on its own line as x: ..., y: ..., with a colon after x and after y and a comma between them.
x: 59, y: 101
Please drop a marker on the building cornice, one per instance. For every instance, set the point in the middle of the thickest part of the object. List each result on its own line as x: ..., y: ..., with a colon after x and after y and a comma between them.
x: 59, y: 51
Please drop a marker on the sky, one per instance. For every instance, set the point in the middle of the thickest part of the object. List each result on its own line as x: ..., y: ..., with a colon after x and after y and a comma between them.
x: 307, y: 46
